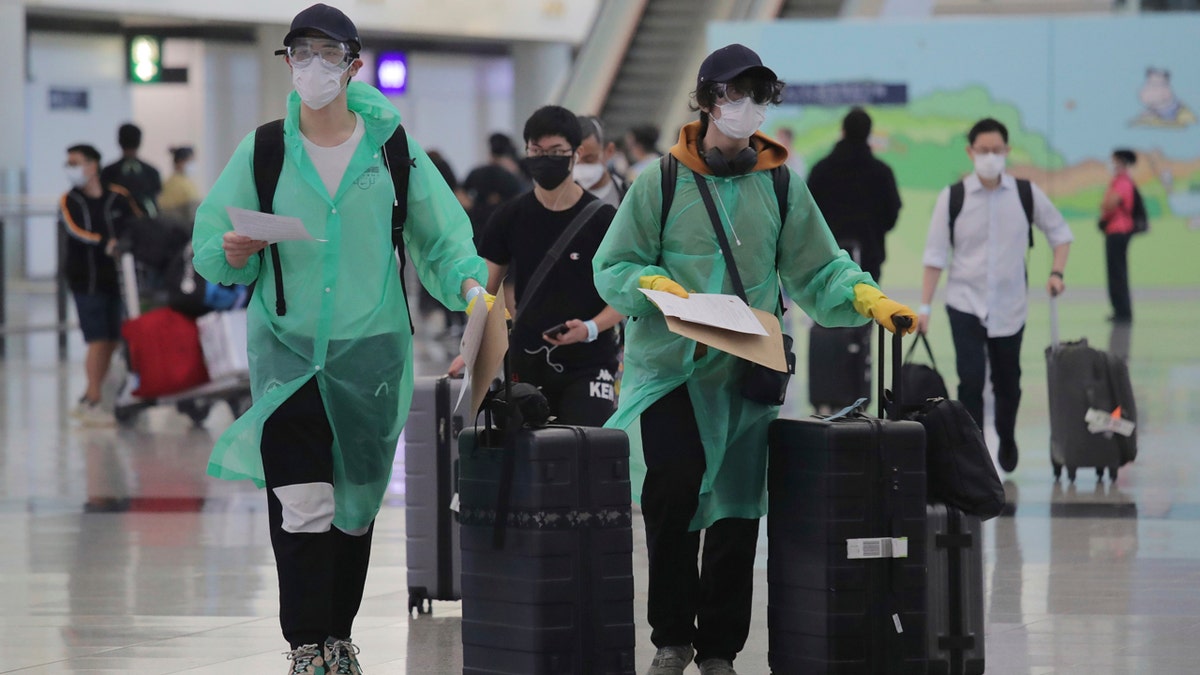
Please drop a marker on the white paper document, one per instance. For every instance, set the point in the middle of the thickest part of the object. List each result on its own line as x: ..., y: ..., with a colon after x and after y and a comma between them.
x: 709, y: 309
x: 267, y: 227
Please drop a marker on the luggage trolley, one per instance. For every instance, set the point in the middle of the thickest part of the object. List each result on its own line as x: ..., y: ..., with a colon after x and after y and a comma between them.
x: 231, y: 385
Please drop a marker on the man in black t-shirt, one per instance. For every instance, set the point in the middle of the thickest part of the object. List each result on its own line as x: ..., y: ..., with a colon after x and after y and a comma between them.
x: 563, y: 339
x: 141, y: 180
x: 492, y: 184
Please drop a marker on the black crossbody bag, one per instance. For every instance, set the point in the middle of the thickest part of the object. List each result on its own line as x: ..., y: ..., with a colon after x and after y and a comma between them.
x: 760, y: 384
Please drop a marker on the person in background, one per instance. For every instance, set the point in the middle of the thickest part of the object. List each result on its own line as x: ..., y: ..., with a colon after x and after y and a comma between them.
x: 137, y: 177
x: 330, y: 370
x: 94, y: 216
x: 641, y: 147
x: 591, y: 171
x: 564, y: 341
x: 987, y: 285
x: 795, y: 160
x: 453, y: 321
x: 857, y: 194
x: 1116, y: 220
x: 180, y: 196
x: 491, y: 184
x: 701, y: 461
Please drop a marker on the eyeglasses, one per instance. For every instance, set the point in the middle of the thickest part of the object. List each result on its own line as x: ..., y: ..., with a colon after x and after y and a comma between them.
x: 761, y: 93
x: 302, y: 50
x: 557, y: 151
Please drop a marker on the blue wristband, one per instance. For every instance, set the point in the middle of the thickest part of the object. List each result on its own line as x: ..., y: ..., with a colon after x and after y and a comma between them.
x: 474, y: 291
x: 593, y: 330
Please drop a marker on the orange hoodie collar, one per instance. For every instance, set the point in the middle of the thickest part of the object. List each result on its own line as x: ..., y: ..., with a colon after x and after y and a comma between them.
x: 687, y: 150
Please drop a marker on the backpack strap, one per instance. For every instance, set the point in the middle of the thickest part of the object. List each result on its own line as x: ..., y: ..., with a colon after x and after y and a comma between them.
x: 670, y: 171
x: 781, y: 178
x: 268, y: 164
x: 400, y: 164
x: 958, y: 193
x: 1025, y: 192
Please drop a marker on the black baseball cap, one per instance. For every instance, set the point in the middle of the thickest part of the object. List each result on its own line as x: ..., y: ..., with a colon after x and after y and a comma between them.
x: 328, y: 20
x: 728, y: 62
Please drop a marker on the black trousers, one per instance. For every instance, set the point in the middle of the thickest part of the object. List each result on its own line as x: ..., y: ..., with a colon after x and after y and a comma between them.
x: 583, y: 397
x: 1116, y: 255
x: 974, y: 351
x: 707, y: 607
x: 321, y: 575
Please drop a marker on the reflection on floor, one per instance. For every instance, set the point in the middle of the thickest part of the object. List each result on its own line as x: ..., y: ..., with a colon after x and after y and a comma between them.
x: 120, y: 556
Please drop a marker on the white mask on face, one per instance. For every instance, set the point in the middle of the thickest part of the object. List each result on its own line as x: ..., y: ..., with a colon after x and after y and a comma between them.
x: 740, y: 119
x: 989, y: 165
x: 588, y: 175
x: 317, y: 82
x: 76, y: 176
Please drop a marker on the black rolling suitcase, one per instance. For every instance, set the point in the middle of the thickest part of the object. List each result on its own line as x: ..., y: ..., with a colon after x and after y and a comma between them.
x: 839, y: 366
x: 846, y: 543
x: 1083, y: 379
x: 954, y: 598
x: 556, y: 596
x: 431, y: 480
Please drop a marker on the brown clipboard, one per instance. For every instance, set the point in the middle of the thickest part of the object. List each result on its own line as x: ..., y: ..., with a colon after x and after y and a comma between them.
x: 491, y: 352
x: 766, y: 350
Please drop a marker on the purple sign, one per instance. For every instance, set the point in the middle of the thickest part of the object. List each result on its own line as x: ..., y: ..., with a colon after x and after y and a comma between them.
x: 391, y: 72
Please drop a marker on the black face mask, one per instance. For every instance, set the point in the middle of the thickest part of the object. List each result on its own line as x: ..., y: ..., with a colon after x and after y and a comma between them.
x: 548, y: 172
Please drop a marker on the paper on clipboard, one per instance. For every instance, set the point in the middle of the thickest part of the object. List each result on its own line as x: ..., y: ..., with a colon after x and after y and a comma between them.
x: 492, y: 347
x: 766, y: 349
x: 728, y: 312
x: 268, y: 227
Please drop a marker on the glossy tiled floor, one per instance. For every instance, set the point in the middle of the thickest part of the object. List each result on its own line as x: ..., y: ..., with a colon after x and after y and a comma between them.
x: 119, y: 556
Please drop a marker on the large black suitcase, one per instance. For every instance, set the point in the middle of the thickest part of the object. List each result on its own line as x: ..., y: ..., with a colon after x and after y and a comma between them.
x: 557, y: 595
x: 954, y: 599
x: 839, y: 366
x: 1082, y: 378
x: 430, y: 481
x: 846, y: 544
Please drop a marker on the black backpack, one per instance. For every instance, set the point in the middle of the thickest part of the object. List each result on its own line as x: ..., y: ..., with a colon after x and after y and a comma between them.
x: 958, y: 193
x: 1141, y: 221
x: 268, y: 163
x: 958, y: 468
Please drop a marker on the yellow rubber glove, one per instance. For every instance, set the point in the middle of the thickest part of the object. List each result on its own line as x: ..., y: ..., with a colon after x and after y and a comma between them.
x: 872, y: 303
x: 487, y: 297
x: 658, y: 282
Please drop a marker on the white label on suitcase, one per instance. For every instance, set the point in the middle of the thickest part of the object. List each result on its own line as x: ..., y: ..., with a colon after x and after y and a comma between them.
x: 880, y: 547
x: 896, y: 620
x: 454, y: 503
x: 1108, y: 423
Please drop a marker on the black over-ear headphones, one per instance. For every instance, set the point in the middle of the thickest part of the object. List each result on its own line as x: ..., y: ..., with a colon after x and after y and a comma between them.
x: 741, y: 163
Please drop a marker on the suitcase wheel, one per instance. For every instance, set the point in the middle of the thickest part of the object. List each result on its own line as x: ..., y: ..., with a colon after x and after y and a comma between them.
x: 419, y: 601
x: 1071, y: 473
x: 1112, y: 473
x: 1099, y: 474
x: 196, y: 409
x: 1057, y: 469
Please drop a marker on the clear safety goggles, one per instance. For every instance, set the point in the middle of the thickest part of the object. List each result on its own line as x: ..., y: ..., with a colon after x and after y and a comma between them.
x: 302, y: 50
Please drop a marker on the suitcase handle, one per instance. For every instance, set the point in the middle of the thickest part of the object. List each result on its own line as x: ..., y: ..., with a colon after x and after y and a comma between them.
x: 901, y: 323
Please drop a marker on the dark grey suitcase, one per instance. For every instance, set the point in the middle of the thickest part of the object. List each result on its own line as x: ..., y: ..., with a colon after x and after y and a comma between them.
x: 954, y: 594
x: 839, y: 366
x: 1082, y: 378
x: 431, y: 480
x: 845, y: 496
x: 554, y: 594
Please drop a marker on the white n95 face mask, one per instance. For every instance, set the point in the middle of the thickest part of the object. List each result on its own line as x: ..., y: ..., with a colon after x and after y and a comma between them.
x: 317, y: 82
x: 740, y: 119
x: 989, y: 165
x: 588, y: 175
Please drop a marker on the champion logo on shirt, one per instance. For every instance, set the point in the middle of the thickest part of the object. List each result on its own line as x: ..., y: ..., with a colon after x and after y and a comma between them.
x: 574, y: 255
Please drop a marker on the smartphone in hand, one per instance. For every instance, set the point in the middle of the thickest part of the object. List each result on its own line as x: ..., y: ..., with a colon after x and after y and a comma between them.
x: 555, y: 331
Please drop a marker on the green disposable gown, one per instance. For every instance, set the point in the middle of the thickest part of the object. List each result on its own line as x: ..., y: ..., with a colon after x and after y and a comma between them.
x: 346, y: 322
x: 801, y: 252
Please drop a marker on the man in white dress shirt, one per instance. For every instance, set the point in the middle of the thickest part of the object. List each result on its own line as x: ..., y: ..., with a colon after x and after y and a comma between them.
x: 983, y: 227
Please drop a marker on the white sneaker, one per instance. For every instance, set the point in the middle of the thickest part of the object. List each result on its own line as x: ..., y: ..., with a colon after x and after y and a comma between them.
x: 95, y: 416
x: 671, y: 660
x: 80, y: 408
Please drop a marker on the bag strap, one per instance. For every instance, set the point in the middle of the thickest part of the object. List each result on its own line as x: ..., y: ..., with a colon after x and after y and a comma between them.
x: 921, y: 339
x: 722, y: 239
x: 1025, y: 192
x: 268, y: 164
x: 555, y: 253
x: 400, y: 164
